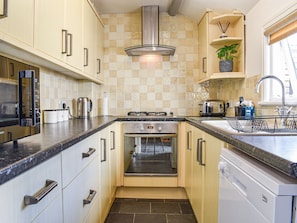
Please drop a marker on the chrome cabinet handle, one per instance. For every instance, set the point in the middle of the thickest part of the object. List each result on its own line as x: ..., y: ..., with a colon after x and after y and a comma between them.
x: 86, y: 57
x: 103, y: 149
x: 69, y: 35
x: 89, y: 153
x: 99, y: 66
x: 4, y: 8
x: 12, y: 74
x: 198, y: 150
x: 203, y: 65
x: 64, y: 41
x: 89, y: 199
x: 49, y: 186
x: 189, y: 133
x: 112, y: 146
x: 201, y: 162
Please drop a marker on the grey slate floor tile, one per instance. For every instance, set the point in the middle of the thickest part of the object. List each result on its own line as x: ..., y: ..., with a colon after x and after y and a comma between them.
x: 131, y: 210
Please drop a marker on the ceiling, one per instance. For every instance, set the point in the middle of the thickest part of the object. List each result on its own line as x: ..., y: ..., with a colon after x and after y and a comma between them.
x: 190, y: 8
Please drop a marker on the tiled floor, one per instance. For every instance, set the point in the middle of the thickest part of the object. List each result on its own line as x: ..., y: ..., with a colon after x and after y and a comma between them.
x: 133, y: 210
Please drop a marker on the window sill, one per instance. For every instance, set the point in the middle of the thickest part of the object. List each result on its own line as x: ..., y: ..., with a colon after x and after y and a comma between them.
x: 276, y: 103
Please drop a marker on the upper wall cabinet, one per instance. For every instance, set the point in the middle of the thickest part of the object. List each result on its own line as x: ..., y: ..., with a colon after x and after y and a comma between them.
x: 53, y: 34
x: 58, y: 30
x: 92, y: 42
x: 89, y: 38
x: 16, y: 21
x: 210, y: 40
x: 100, y: 50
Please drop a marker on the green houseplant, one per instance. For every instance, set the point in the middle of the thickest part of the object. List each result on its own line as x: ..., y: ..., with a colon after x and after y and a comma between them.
x: 226, y: 55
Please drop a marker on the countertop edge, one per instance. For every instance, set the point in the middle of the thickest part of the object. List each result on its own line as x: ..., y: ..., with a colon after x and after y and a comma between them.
x: 284, y: 166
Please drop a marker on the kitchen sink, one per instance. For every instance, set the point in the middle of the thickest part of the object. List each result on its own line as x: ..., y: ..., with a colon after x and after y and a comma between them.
x: 223, y: 125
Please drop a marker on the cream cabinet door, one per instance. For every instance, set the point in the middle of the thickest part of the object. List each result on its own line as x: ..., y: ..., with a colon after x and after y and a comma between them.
x: 100, y: 50
x: 49, y: 26
x: 114, y: 157
x: 13, y: 207
x: 73, y: 25
x: 198, y: 175
x: 19, y: 21
x: 188, y: 160
x: 211, y: 179
x: 89, y: 46
x: 81, y: 194
x: 104, y: 173
x: 203, y: 60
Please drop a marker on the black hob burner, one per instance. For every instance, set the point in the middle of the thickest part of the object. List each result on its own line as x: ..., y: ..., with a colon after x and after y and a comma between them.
x: 143, y: 113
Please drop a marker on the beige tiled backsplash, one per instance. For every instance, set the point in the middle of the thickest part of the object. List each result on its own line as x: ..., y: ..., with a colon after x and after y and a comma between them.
x: 145, y: 83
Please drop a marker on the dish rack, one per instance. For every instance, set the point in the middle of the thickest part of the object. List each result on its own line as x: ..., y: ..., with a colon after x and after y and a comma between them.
x: 269, y: 124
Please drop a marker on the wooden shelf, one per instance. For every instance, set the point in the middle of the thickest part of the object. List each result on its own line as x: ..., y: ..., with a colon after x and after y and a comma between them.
x: 226, y: 18
x: 227, y: 40
x: 224, y: 75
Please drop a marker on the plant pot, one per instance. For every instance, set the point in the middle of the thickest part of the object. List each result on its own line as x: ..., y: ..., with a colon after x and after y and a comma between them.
x: 226, y: 65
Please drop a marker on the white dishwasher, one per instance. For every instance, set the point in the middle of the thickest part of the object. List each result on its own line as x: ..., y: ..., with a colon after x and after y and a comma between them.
x: 251, y: 192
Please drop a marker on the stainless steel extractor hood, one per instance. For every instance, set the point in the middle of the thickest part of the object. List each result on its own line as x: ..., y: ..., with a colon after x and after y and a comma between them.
x: 150, y: 35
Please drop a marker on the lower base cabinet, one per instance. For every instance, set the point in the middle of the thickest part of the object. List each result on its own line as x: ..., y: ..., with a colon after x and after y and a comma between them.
x: 13, y: 207
x: 84, y: 176
x: 81, y: 194
x: 203, y: 186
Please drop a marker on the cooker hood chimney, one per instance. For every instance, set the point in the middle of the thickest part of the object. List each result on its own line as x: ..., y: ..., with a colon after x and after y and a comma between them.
x: 150, y: 35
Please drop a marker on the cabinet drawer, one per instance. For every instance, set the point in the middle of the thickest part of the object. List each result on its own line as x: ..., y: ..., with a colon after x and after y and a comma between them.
x: 12, y: 203
x: 81, y: 194
x: 53, y: 213
x: 77, y: 157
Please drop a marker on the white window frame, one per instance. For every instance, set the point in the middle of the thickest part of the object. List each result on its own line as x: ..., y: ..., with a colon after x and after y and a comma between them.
x: 267, y: 96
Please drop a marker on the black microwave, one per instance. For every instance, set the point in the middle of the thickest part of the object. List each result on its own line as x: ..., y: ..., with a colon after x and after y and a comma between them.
x: 19, y: 100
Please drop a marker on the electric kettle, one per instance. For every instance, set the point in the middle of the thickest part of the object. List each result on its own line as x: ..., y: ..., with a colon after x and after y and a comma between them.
x: 84, y: 107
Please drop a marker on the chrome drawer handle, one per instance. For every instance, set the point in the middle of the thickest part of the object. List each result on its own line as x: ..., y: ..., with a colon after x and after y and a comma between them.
x: 89, y: 153
x: 89, y: 199
x: 49, y: 186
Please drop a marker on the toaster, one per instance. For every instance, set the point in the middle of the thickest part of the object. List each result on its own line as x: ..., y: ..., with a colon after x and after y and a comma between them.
x: 212, y: 108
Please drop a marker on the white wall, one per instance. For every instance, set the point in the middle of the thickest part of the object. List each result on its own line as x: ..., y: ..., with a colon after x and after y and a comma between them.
x: 256, y: 19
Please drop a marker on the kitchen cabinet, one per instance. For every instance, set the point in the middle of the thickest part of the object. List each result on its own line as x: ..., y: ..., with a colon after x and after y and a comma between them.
x: 18, y: 25
x: 92, y: 42
x: 45, y: 177
x: 202, y: 187
x: 80, y: 179
x: 89, y: 44
x: 188, y: 159
x: 114, y: 157
x: 60, y: 36
x: 109, y: 149
x: 49, y: 26
x: 209, y: 42
x: 100, y: 50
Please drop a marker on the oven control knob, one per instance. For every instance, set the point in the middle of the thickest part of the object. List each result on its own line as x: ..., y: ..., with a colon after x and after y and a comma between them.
x: 159, y: 128
x: 141, y: 128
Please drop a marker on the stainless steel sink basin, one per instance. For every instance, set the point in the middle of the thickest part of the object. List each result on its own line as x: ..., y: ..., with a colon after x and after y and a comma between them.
x: 224, y: 126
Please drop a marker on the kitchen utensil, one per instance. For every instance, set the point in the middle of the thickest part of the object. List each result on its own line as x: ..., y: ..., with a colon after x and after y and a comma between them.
x: 84, y: 107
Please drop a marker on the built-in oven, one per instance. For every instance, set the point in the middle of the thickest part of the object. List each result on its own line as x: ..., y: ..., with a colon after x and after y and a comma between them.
x: 19, y: 100
x: 150, y: 148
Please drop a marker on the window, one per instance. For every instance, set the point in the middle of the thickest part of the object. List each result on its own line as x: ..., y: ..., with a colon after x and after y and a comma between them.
x: 281, y: 59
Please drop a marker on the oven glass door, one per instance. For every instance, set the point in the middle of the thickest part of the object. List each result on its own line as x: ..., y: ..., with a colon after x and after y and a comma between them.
x: 150, y: 154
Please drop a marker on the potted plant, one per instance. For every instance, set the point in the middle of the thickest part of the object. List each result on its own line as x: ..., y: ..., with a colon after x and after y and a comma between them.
x: 226, y: 55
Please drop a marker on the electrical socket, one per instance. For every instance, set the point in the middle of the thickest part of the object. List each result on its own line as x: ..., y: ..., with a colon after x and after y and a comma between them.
x: 62, y: 104
x: 229, y: 104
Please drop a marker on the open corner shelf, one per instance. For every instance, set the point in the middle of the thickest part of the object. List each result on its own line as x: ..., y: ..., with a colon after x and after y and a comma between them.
x: 223, y: 75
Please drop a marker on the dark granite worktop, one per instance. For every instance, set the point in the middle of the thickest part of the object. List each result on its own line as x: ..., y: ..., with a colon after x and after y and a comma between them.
x: 279, y: 152
x: 53, y: 139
